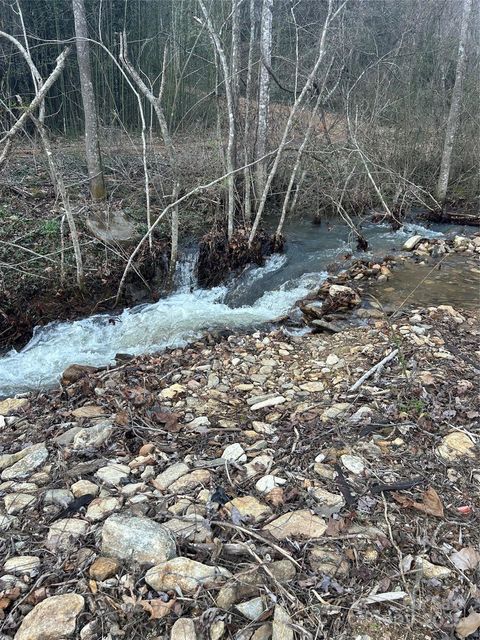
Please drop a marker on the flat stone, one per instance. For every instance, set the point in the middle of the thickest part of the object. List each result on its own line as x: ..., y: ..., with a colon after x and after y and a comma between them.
x: 59, y: 497
x: 30, y: 460
x: 455, y: 446
x: 183, y: 629
x: 263, y: 428
x: 66, y: 438
x: 93, y: 437
x: 191, y: 481
x: 6, y: 522
x: 22, y: 565
x: 258, y: 465
x: 172, y: 391
x: 113, y: 474
x: 412, y: 242
x: 138, y: 539
x: 100, y: 508
x: 269, y: 482
x: 354, y: 464
x: 9, y: 405
x: 335, y: 411
x: 312, y: 387
x: 84, y: 488
x: 328, y: 503
x: 327, y: 562
x: 234, y: 453
x: 271, y: 402
x: 252, y: 609
x: 63, y: 534
x: 191, y: 527
x: 282, y: 624
x: 325, y: 471
x: 332, y: 359
x: 297, y: 525
x: 217, y: 630
x: 250, y: 507
x: 17, y: 502
x: 104, y: 568
x: 184, y: 574
x: 52, y: 619
x: 263, y: 633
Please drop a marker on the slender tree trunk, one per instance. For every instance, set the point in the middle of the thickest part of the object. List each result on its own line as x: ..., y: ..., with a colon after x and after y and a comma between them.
x: 453, y: 116
x: 92, y: 147
x: 263, y: 94
x: 247, y: 179
x: 235, y: 75
x: 231, y: 119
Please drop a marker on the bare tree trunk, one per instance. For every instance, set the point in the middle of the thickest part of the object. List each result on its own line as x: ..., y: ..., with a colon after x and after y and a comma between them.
x: 235, y: 74
x: 263, y: 94
x: 231, y: 119
x: 453, y: 116
x: 247, y: 179
x: 92, y: 147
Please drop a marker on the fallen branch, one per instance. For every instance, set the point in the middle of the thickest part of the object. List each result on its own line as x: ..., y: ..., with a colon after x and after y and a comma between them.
x: 374, y: 369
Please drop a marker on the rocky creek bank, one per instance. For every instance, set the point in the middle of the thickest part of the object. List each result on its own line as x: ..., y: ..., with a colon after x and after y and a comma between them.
x: 252, y: 487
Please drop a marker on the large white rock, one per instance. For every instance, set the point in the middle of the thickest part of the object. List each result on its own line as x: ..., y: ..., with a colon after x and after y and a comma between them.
x: 138, y: 539
x: 52, y: 619
x: 234, y: 453
x: 411, y: 243
x: 31, y: 459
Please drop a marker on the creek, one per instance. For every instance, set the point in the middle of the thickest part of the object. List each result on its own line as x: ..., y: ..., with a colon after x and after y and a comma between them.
x: 248, y: 300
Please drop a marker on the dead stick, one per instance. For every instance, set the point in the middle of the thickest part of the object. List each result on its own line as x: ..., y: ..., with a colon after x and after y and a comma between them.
x: 371, y: 371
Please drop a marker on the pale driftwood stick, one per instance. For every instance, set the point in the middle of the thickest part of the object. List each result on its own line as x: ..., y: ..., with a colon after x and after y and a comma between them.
x: 371, y: 371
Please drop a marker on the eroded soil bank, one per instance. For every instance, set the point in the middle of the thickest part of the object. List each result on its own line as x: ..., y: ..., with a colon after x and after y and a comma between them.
x: 250, y: 487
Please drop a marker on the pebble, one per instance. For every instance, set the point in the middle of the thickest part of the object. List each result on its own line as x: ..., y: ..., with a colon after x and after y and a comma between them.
x: 113, y: 474
x: 328, y: 562
x: 234, y: 453
x: 312, y: 387
x: 191, y: 527
x: 297, y: 525
x: 171, y: 473
x: 191, y: 481
x: 282, y: 624
x: 184, y: 574
x: 430, y: 570
x: 138, y: 539
x: 92, y: 437
x: 17, y: 502
x: 329, y: 503
x: 59, y: 497
x: 455, y: 446
x: 22, y: 565
x: 183, y: 629
x: 269, y: 482
x: 104, y: 568
x: 100, y: 508
x: 84, y: 488
x: 9, y: 405
x: 251, y: 609
x: 354, y: 464
x: 271, y: 402
x: 335, y: 411
x: 250, y: 508
x: 62, y: 534
x: 52, y: 619
x: 31, y: 460
x: 332, y: 359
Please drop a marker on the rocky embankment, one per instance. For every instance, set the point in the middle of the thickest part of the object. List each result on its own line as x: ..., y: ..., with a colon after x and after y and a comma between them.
x: 254, y: 487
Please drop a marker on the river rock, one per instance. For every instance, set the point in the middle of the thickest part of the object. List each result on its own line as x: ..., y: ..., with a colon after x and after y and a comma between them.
x: 192, y: 527
x: 100, y: 508
x: 455, y: 446
x: 183, y: 629
x: 185, y: 574
x: 312, y: 387
x: 104, y: 568
x: 9, y: 405
x: 430, y: 570
x: 249, y: 508
x: 17, y: 502
x: 234, y: 453
x: 347, y: 295
x: 252, y: 609
x: 327, y: 562
x: 297, y: 525
x: 92, y: 437
x: 76, y: 371
x: 59, y: 497
x: 138, y: 539
x: 354, y: 464
x: 329, y: 503
x: 62, y: 534
x: 22, y: 565
x: 263, y: 633
x: 269, y: 482
x: 171, y: 473
x: 30, y: 460
x: 191, y: 481
x: 282, y: 624
x: 412, y: 242
x: 335, y: 411
x: 113, y: 474
x: 270, y: 402
x: 52, y: 619
x: 217, y: 629
x: 84, y: 488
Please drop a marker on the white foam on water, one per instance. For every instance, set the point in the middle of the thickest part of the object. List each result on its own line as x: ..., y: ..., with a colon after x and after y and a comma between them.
x: 170, y: 322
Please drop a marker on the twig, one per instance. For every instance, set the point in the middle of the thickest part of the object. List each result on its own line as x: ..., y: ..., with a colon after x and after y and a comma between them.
x: 375, y: 368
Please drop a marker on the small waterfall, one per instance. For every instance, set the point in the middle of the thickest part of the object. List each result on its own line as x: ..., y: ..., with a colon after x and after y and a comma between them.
x: 186, y: 271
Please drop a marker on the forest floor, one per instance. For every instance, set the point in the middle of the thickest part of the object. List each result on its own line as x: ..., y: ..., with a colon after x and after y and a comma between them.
x: 244, y: 488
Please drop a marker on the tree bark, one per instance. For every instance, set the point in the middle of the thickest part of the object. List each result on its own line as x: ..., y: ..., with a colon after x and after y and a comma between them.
x: 263, y: 94
x: 453, y: 116
x: 92, y: 147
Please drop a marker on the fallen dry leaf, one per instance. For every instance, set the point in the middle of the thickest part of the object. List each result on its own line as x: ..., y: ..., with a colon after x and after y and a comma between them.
x: 468, y: 625
x: 157, y: 608
x: 466, y: 559
x: 431, y: 502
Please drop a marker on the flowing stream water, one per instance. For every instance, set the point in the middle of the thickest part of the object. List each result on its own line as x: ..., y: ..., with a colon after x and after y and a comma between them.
x: 254, y: 297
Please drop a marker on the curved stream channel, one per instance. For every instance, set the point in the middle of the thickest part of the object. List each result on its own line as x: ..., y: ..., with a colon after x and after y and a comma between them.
x: 256, y: 296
